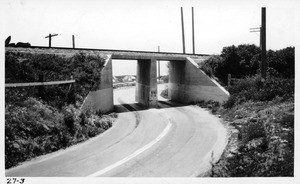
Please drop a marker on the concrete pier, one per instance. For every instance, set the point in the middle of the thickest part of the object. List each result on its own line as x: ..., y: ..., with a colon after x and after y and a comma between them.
x: 146, y: 83
x: 176, y: 80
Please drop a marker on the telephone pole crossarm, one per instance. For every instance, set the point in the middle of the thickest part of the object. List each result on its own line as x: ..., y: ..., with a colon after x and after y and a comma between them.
x: 51, y: 35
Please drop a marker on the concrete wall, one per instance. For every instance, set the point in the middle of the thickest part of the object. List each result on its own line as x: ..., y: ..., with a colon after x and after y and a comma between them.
x: 176, y: 80
x: 146, y: 83
x: 188, y: 83
x: 102, y: 99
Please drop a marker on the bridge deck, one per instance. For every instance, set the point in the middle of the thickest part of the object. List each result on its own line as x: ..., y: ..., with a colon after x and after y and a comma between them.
x: 116, y: 54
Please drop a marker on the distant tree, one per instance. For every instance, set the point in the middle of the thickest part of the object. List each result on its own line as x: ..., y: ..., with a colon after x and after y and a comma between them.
x: 247, y: 53
x: 211, y: 65
x: 244, y: 60
x: 282, y: 62
x: 240, y: 60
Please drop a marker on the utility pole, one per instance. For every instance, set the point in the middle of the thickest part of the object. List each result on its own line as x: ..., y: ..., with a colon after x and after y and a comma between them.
x: 193, y: 31
x: 49, y: 36
x: 182, y: 25
x: 263, y: 45
x: 73, y: 41
x: 158, y: 64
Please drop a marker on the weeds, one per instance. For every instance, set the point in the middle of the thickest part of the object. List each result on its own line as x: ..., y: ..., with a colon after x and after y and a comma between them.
x: 263, y: 116
x: 36, y: 128
x: 253, y: 89
x: 36, y: 125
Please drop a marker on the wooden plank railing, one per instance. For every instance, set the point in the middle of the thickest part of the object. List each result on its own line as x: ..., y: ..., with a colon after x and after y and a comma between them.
x: 38, y: 83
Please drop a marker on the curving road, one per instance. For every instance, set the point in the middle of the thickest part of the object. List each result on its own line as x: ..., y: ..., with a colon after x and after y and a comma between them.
x: 164, y: 142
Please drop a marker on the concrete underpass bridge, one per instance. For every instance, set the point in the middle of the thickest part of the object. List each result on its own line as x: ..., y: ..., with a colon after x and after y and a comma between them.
x: 187, y: 82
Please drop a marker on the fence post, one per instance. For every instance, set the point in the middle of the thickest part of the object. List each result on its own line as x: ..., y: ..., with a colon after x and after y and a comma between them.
x: 229, y: 80
x: 41, y: 88
x: 72, y: 88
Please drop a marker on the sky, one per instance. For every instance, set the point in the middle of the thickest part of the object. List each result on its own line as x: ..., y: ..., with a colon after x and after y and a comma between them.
x: 145, y: 25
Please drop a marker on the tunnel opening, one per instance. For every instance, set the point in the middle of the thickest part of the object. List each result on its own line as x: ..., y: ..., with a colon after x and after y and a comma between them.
x: 163, y: 83
x: 141, y: 84
x: 124, y: 76
x: 162, y: 80
x: 171, y: 84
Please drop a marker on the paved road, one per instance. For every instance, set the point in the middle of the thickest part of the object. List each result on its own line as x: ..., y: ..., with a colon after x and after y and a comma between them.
x: 169, y: 141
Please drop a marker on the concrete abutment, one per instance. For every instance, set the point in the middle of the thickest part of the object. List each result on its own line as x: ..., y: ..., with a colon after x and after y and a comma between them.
x: 188, y: 83
x: 102, y: 98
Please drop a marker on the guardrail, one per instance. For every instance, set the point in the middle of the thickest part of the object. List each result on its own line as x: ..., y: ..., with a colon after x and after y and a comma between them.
x: 8, y: 85
x: 40, y: 85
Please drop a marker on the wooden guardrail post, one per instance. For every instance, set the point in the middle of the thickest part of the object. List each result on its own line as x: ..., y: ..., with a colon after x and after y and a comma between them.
x: 71, y: 93
x: 41, y: 88
x: 229, y: 80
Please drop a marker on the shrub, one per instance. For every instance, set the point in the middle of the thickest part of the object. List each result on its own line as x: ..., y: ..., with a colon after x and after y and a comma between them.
x: 253, y: 129
x: 207, y: 70
x: 34, y: 128
x: 244, y: 60
x: 211, y: 65
x: 283, y: 62
x: 26, y: 67
x: 252, y: 88
x: 28, y: 126
x: 265, y: 145
x: 37, y: 124
x: 69, y: 122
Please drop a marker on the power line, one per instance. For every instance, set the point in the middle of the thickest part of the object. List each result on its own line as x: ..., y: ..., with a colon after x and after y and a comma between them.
x: 255, y: 30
